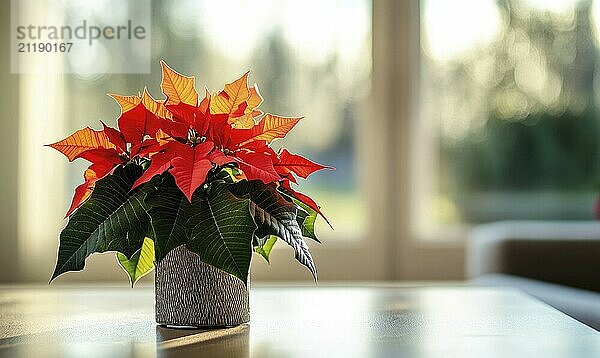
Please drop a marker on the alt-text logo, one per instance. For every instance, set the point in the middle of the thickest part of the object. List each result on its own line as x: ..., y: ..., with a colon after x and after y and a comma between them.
x: 82, y: 32
x: 85, y: 37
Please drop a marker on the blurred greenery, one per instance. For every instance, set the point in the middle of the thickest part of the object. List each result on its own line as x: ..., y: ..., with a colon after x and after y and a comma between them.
x: 541, y: 151
x: 518, y: 115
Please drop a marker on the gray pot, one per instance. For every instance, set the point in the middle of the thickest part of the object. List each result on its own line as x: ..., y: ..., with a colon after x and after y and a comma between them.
x: 192, y: 293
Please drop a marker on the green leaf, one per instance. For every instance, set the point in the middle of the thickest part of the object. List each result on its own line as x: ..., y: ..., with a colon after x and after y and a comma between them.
x: 274, y: 215
x: 113, y: 219
x: 140, y: 263
x: 265, y: 245
x: 306, y: 219
x: 221, y: 230
x: 169, y: 211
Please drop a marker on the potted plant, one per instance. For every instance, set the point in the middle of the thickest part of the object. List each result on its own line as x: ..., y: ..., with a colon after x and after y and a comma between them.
x: 192, y: 185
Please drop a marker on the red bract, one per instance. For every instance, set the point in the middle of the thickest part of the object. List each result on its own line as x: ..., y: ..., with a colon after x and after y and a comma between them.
x: 188, y: 137
x: 293, y: 163
x: 190, y: 166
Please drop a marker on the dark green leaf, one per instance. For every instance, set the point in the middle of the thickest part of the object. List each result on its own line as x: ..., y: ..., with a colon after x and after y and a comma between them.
x: 169, y: 211
x: 113, y: 219
x: 274, y: 215
x: 221, y: 230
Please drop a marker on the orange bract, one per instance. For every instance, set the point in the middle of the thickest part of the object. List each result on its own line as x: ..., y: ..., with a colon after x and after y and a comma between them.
x: 231, y: 97
x: 254, y: 100
x: 239, y: 102
x: 81, y: 141
x: 126, y: 102
x: 177, y: 87
x: 271, y: 127
x: 245, y: 121
x: 156, y: 107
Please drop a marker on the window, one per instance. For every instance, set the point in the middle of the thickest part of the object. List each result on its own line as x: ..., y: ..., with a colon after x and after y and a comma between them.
x: 509, y: 116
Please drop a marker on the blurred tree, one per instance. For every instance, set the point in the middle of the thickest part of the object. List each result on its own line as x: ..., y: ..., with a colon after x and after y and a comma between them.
x: 519, y: 113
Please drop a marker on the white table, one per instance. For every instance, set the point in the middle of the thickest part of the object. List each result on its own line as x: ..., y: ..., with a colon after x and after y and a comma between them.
x: 318, y: 321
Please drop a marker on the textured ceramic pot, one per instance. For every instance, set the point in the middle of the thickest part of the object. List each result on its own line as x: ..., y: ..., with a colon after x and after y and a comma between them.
x: 192, y: 293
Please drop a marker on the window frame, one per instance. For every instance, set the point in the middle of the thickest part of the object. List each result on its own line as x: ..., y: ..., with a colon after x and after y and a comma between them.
x: 396, y: 68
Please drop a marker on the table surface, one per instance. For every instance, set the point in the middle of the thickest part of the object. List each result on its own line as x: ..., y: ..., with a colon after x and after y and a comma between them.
x: 318, y: 321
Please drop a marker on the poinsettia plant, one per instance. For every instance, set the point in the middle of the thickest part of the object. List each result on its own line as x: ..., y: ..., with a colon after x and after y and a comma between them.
x: 190, y: 171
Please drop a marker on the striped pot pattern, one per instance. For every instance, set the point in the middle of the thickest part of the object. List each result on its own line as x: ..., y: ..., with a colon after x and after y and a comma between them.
x: 192, y: 293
